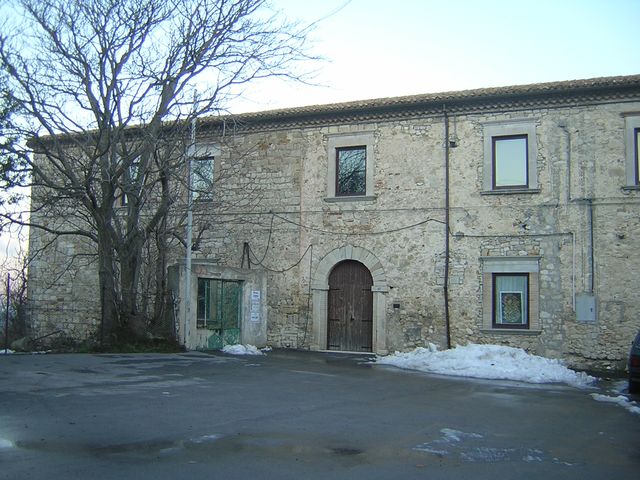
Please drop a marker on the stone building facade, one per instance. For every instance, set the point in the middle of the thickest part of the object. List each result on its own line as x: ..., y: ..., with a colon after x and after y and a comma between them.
x: 505, y: 215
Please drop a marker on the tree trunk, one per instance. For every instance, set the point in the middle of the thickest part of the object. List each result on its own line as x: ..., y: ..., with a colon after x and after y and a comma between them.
x: 108, y: 297
x: 134, y: 324
x: 163, y: 327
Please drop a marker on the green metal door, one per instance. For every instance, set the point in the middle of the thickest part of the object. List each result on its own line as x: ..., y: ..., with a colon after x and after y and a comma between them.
x: 219, y: 311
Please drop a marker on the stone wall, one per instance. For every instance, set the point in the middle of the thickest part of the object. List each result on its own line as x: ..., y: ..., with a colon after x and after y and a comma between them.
x: 278, y: 205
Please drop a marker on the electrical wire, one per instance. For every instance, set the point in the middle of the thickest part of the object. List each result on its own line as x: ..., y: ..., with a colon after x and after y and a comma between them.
x: 272, y: 270
x: 382, y: 232
x: 256, y: 261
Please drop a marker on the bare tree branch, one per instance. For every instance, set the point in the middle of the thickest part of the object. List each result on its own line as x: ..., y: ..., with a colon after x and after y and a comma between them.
x: 104, y: 91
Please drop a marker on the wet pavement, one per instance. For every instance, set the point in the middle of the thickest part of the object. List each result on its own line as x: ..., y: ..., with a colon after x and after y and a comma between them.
x: 297, y: 415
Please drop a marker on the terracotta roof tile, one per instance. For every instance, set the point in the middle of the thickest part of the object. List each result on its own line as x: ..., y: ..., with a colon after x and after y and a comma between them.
x: 594, y: 86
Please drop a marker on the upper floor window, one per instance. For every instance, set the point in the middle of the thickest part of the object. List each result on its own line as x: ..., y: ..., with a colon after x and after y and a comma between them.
x: 637, y: 162
x: 202, y: 170
x: 510, y: 161
x: 131, y: 181
x: 510, y: 153
x: 632, y: 149
x: 351, y: 169
x: 351, y: 162
x: 202, y: 177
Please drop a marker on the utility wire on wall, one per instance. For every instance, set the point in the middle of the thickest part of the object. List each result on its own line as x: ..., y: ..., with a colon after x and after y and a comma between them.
x: 248, y: 252
x: 381, y: 232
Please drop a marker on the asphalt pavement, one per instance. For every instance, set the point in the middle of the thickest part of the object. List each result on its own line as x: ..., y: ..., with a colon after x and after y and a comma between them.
x: 296, y: 415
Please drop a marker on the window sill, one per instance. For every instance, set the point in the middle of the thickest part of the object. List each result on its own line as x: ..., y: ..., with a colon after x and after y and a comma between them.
x: 510, y: 191
x: 510, y: 331
x: 355, y: 198
x: 631, y: 188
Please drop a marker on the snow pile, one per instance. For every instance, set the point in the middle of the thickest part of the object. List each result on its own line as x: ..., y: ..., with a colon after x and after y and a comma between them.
x: 241, y: 350
x: 618, y: 400
x: 488, y: 361
x: 6, y: 351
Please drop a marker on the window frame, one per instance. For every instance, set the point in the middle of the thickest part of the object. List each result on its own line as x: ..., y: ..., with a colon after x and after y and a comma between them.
x: 364, y: 139
x: 199, y: 194
x: 203, y: 320
x: 636, y: 137
x: 495, y: 308
x: 494, y: 161
x: 525, y: 127
x: 201, y: 152
x: 340, y: 193
x: 130, y: 179
x: 517, y: 265
x: 632, y: 147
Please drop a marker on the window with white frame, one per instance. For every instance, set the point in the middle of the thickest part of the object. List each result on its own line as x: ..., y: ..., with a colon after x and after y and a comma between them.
x: 510, y: 293
x: 351, y: 161
x: 510, y: 155
x: 632, y: 150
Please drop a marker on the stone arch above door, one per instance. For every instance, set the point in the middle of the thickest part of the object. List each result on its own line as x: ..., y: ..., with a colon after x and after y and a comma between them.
x: 320, y: 289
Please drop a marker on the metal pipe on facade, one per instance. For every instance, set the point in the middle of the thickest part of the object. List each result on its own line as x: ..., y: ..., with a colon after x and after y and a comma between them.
x: 565, y: 129
x: 591, y: 248
x: 446, y: 226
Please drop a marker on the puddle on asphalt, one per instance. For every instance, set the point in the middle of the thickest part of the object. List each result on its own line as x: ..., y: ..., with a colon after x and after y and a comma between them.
x: 452, y: 447
x: 206, y: 448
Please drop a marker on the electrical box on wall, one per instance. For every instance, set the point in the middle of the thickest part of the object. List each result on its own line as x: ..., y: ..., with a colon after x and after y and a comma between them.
x: 586, y: 308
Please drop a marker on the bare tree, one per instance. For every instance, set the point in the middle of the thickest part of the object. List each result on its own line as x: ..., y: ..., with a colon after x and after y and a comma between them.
x: 13, y: 270
x: 106, y: 92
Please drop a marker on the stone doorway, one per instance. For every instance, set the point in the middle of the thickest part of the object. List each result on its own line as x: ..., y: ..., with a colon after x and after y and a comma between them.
x: 320, y: 296
x: 350, y: 308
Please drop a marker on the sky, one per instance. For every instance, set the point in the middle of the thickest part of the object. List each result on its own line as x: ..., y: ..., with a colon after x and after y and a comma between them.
x: 382, y: 48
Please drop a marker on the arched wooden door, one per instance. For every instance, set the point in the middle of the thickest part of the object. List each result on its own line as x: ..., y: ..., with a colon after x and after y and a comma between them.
x: 350, y: 312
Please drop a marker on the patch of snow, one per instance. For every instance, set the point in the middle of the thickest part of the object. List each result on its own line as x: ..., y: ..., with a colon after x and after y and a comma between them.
x: 451, y: 435
x: 490, y: 362
x: 620, y: 400
x: 488, y: 454
x: 206, y: 438
x: 6, y: 351
x: 241, y: 350
x: 425, y: 447
x: 470, y: 447
x: 4, y: 443
x: 533, y: 456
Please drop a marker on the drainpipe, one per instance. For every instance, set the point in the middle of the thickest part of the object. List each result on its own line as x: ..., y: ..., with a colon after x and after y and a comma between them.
x: 446, y: 226
x: 591, y: 247
x: 565, y: 129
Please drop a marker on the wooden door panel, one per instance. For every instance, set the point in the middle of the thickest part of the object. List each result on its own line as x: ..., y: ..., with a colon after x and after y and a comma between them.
x: 350, y: 308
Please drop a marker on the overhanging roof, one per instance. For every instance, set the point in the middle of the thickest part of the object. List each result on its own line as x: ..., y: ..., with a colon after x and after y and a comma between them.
x: 571, y: 92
